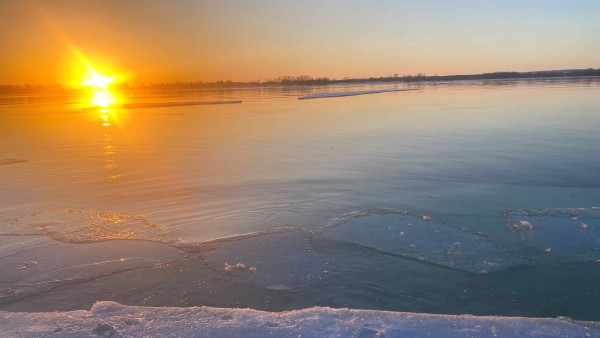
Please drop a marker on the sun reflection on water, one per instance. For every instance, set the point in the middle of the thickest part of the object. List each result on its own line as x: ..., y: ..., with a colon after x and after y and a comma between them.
x: 109, y: 161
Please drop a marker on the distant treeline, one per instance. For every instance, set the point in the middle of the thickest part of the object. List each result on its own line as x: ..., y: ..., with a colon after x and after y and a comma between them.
x: 306, y: 80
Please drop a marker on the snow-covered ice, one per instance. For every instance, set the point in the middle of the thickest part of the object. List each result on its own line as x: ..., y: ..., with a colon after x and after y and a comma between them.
x: 571, y: 234
x: 113, y: 319
x: 338, y: 94
x: 279, y: 259
x: 420, y: 237
x: 34, y: 264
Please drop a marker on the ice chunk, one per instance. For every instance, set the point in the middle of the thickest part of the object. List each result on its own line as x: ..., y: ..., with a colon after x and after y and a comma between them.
x: 422, y: 238
x: 571, y: 234
x: 34, y: 264
x: 85, y: 226
x: 109, y: 318
x: 338, y: 94
x: 279, y: 259
x: 11, y: 161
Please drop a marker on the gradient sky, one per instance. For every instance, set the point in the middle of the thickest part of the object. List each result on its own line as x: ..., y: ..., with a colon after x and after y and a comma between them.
x: 154, y: 41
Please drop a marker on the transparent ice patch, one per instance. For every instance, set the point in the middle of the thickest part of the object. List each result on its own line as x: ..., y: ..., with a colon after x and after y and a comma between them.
x: 279, y: 259
x: 420, y: 237
x: 571, y: 234
x: 34, y: 264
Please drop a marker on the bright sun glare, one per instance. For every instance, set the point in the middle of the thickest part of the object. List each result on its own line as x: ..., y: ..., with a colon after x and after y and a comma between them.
x: 101, y: 95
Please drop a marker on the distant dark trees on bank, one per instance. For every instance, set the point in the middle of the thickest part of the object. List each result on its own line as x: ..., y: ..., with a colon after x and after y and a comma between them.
x: 306, y: 80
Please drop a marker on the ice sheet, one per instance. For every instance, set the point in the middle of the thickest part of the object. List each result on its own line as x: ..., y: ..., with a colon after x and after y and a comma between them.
x: 338, y: 94
x: 571, y: 234
x: 34, y: 264
x: 113, y: 319
x: 279, y: 259
x: 85, y: 226
x: 420, y: 237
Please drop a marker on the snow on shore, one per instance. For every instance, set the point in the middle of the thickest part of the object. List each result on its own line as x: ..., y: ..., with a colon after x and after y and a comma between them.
x: 338, y: 94
x: 116, y: 320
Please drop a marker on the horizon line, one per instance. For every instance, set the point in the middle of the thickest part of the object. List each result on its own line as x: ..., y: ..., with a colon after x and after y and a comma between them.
x: 307, y: 78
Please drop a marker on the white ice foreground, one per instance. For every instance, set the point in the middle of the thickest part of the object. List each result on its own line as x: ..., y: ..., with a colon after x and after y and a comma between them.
x: 338, y: 94
x: 113, y: 319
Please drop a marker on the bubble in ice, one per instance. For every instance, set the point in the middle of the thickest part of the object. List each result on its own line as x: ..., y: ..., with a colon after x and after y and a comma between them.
x: 420, y: 237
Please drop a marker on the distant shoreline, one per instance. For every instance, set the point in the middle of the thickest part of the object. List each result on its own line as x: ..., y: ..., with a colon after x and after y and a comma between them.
x: 304, y: 80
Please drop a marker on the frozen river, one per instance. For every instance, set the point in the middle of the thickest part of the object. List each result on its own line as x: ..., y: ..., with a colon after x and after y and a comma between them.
x: 475, y: 197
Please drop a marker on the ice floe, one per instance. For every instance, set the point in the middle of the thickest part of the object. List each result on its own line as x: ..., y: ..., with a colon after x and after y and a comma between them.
x: 11, y: 161
x: 85, y: 226
x: 420, y: 237
x: 362, y: 92
x: 34, y: 264
x: 113, y: 319
x: 571, y: 234
x: 279, y: 259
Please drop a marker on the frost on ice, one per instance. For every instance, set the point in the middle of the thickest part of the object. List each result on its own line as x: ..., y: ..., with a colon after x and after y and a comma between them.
x: 571, y: 234
x: 420, y: 237
x: 34, y: 264
x: 279, y: 259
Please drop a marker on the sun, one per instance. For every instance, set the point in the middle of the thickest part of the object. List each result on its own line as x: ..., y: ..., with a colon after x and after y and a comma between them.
x: 99, y: 85
x: 98, y: 80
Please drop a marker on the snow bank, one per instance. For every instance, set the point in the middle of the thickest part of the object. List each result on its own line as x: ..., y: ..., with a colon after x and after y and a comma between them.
x: 571, y: 234
x: 338, y: 94
x: 421, y: 238
x: 113, y: 319
x: 279, y: 259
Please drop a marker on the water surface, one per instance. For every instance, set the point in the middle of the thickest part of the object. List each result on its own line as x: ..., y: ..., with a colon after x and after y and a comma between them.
x: 457, y: 153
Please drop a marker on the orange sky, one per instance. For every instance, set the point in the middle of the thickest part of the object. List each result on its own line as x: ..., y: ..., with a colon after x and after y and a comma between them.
x: 153, y: 41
